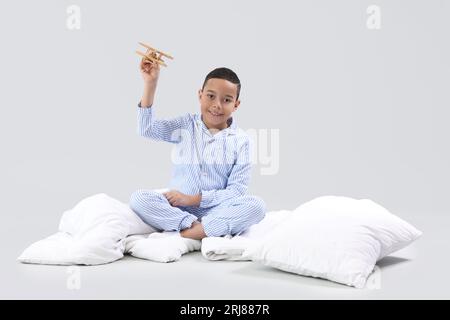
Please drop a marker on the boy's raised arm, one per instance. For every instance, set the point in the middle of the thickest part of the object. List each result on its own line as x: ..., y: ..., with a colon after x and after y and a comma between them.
x: 150, y: 75
x: 149, y: 127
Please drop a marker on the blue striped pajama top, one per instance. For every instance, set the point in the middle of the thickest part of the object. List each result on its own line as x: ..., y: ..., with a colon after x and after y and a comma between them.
x: 217, y: 166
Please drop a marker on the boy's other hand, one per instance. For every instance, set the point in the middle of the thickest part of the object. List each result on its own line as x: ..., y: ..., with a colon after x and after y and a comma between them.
x: 149, y: 71
x: 177, y: 199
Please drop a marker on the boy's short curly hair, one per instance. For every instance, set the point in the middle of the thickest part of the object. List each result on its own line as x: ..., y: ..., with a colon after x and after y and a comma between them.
x: 225, y: 74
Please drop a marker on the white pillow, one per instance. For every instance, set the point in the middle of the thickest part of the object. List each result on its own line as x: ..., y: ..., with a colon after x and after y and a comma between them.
x: 90, y: 233
x: 335, y: 238
x: 62, y: 248
x: 167, y: 246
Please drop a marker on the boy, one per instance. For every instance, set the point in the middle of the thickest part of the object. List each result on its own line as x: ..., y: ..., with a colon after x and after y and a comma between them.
x: 207, y: 193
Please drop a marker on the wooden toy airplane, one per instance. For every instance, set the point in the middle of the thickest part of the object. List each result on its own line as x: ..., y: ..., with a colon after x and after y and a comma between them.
x: 153, y: 55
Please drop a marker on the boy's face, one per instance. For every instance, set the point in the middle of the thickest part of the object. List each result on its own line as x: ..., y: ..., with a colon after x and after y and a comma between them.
x: 218, y: 100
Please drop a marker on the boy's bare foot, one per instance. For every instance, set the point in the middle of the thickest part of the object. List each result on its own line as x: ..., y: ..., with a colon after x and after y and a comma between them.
x: 196, y: 231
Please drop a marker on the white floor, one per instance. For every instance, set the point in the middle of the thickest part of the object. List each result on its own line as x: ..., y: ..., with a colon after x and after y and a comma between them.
x: 417, y: 272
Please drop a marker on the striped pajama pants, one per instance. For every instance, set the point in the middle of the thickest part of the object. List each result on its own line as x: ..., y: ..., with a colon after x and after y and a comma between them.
x: 230, y: 217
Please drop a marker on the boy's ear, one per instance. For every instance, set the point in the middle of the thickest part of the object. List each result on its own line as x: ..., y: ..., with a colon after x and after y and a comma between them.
x: 236, y: 104
x: 200, y: 91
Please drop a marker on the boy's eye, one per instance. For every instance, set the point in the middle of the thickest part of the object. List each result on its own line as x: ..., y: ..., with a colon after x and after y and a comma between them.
x: 228, y: 100
x: 210, y: 96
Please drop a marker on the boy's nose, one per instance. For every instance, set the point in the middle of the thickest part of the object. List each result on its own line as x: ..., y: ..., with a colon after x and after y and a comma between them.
x: 216, y: 103
x: 216, y: 106
x: 216, y: 109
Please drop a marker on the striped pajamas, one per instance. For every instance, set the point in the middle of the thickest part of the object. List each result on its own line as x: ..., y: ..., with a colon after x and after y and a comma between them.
x: 216, y: 166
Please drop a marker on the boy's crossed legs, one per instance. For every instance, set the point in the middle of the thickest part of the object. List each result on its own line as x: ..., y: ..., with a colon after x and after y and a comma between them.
x: 183, y: 230
x: 229, y: 218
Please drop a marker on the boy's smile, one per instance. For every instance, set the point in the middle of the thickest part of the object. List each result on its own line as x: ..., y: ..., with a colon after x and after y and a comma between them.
x: 218, y: 100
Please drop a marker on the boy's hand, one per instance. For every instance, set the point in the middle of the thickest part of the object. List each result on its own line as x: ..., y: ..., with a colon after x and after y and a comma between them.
x: 149, y: 71
x: 178, y: 199
x: 150, y: 74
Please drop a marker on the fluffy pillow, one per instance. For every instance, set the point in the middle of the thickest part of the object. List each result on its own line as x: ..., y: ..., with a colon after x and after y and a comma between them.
x: 167, y: 246
x: 335, y: 238
x: 90, y: 233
